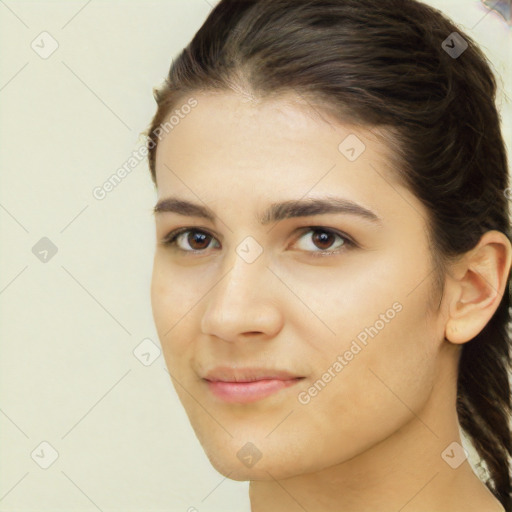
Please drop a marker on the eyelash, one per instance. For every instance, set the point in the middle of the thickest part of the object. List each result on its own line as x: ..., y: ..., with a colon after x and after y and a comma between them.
x: 171, y: 240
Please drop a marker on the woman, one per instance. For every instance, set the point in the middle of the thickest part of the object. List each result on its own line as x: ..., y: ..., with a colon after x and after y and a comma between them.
x: 331, y: 278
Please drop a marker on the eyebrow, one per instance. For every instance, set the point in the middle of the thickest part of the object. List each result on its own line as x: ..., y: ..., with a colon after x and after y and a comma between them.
x: 276, y: 211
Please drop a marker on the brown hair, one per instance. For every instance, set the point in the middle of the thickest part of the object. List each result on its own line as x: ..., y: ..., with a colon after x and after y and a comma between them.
x: 385, y: 63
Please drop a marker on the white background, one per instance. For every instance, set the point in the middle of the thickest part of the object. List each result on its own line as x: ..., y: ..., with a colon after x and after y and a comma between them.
x: 68, y: 327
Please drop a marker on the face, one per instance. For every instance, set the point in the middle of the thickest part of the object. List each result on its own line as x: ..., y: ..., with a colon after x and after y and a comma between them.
x: 335, y: 295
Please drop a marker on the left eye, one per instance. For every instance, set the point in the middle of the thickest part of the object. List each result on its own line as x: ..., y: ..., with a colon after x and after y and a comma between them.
x: 324, y: 238
x: 198, y: 240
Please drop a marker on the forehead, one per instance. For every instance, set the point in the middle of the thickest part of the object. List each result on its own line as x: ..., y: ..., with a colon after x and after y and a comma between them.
x: 280, y: 148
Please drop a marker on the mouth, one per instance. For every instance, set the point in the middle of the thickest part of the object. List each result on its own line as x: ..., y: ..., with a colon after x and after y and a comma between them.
x: 249, y: 391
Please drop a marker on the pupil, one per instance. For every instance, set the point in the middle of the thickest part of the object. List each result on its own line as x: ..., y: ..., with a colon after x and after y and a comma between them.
x: 323, y: 238
x: 197, y: 237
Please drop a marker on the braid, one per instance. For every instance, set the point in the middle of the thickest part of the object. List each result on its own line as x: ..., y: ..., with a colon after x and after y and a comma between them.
x: 484, y: 399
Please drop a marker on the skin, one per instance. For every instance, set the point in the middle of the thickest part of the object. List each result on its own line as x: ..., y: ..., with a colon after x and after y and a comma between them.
x: 373, y: 437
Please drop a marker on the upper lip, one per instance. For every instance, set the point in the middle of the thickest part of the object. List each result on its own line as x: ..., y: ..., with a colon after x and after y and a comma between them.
x: 227, y: 374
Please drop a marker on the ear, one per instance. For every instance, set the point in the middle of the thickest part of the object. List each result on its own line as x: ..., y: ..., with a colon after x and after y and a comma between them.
x: 477, y: 284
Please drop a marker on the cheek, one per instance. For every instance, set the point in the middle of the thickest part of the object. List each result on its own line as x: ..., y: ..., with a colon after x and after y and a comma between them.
x: 388, y: 352
x: 173, y: 293
x: 172, y: 302
x: 386, y: 378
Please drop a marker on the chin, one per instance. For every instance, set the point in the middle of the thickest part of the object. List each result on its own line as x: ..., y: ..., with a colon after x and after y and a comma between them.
x: 242, y: 460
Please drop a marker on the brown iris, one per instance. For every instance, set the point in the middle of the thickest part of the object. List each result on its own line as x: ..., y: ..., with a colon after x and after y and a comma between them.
x: 200, y: 238
x: 322, y: 238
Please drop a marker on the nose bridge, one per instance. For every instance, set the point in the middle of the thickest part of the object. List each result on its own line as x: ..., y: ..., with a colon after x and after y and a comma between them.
x: 240, y: 301
x: 239, y: 286
x: 244, y: 266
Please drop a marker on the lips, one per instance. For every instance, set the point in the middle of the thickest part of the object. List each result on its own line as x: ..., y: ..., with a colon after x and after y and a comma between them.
x: 244, y: 385
x: 227, y: 374
x: 245, y: 392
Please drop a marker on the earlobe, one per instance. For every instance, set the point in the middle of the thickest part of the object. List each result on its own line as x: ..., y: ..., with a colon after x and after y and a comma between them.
x: 478, y: 292
x: 457, y: 333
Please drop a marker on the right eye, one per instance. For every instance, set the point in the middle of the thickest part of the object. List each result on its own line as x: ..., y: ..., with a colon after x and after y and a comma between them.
x: 196, y: 240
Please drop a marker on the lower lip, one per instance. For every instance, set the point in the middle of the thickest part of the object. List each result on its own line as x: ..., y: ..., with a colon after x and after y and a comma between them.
x: 244, y: 392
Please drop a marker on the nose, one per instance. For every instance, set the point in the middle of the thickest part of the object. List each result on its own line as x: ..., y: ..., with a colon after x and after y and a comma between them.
x: 243, y: 303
